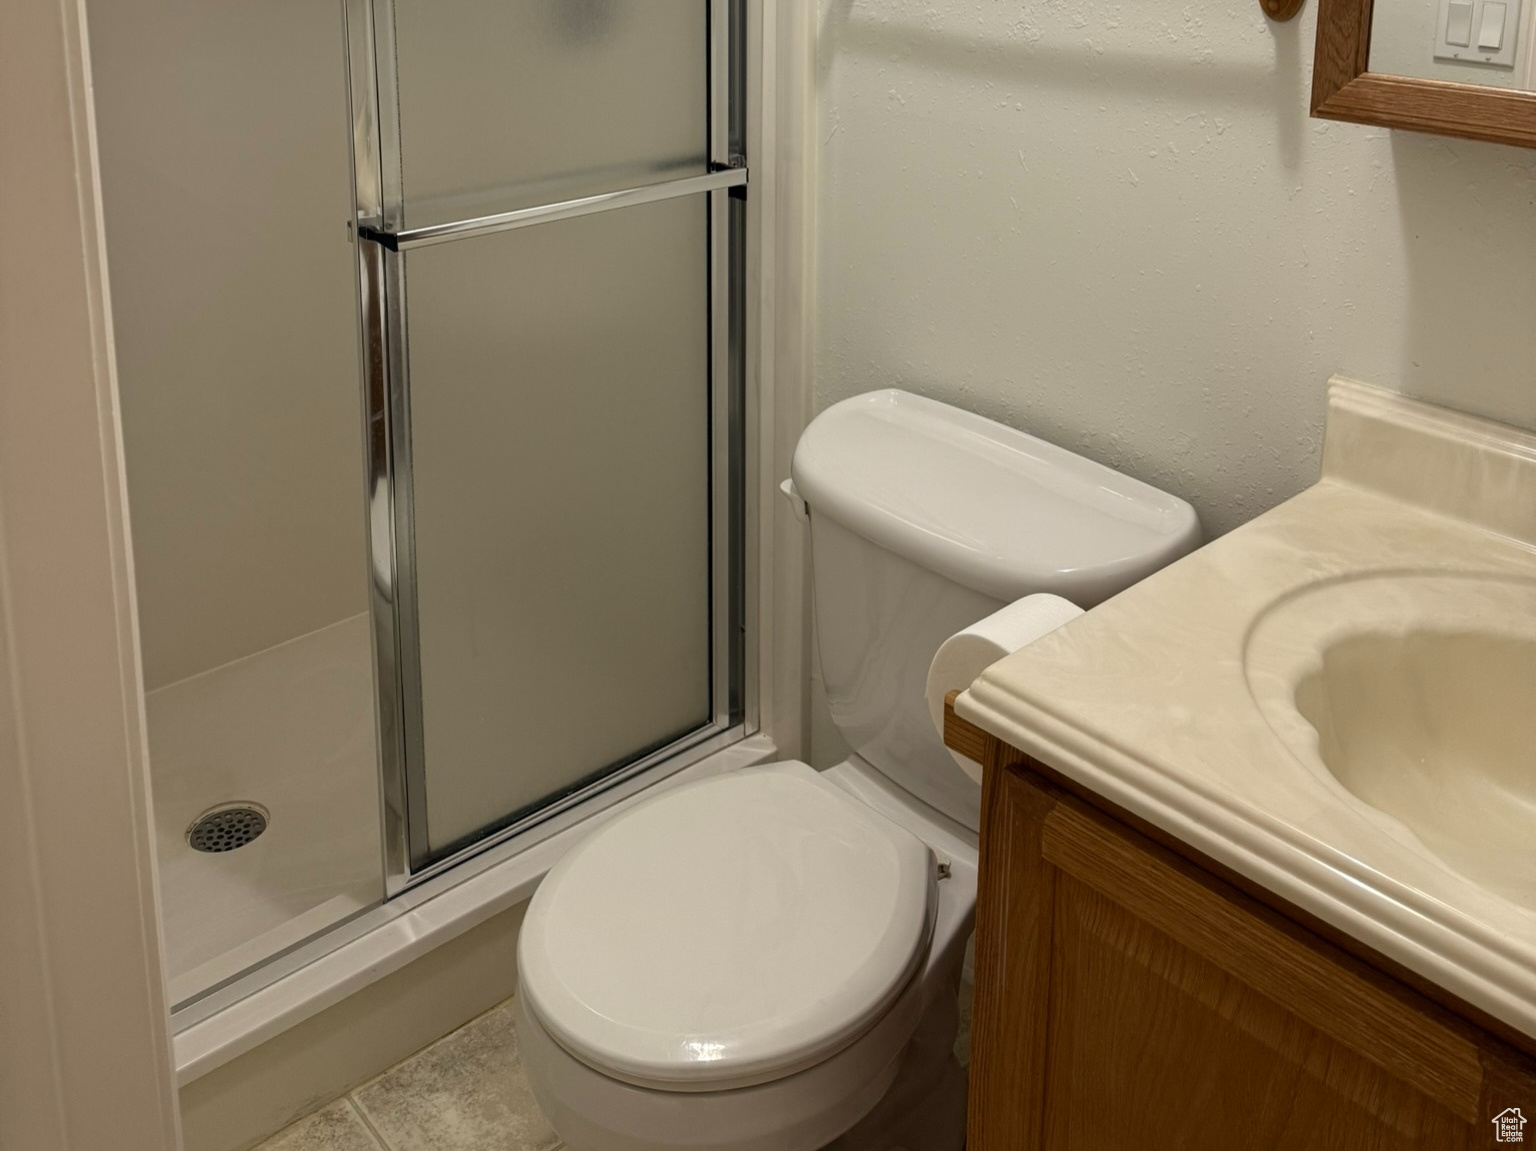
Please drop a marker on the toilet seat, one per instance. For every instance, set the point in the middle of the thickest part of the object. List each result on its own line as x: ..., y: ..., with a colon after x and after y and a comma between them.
x: 729, y: 932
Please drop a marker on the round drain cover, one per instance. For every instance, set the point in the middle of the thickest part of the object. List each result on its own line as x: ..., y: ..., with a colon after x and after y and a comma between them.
x: 227, y: 827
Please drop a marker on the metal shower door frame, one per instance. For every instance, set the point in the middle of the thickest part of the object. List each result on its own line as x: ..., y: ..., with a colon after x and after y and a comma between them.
x: 382, y: 241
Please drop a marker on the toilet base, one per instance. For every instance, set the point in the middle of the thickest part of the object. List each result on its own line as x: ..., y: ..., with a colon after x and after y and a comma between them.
x: 858, y: 1101
x: 803, y: 1112
x: 924, y: 1107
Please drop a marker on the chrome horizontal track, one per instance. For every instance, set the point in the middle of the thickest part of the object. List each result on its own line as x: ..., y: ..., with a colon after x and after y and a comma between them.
x: 545, y: 213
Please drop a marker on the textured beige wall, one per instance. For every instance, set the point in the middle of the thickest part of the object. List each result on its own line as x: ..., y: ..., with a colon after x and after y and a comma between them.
x: 1115, y: 225
x: 226, y: 176
x: 85, y: 1054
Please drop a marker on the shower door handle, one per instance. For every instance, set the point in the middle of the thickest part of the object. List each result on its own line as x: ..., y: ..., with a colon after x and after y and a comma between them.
x: 731, y: 177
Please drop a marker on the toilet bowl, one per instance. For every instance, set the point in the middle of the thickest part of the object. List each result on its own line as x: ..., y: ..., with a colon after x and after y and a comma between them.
x: 817, y: 1076
x: 769, y: 960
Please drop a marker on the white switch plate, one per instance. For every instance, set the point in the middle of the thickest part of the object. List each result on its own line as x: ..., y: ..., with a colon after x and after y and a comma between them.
x: 1471, y: 54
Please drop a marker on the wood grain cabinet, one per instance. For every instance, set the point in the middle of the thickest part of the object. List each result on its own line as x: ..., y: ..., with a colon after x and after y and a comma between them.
x: 1128, y: 996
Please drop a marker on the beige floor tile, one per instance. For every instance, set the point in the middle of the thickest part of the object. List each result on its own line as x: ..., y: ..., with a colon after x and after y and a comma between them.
x: 335, y: 1127
x: 467, y: 1092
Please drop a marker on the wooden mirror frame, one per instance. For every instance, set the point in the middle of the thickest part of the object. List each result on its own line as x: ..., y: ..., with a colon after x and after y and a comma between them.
x: 1343, y: 89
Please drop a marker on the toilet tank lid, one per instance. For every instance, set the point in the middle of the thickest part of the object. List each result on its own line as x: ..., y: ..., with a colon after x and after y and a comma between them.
x: 990, y: 507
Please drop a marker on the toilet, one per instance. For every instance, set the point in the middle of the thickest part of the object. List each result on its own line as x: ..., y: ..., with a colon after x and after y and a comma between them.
x: 769, y: 959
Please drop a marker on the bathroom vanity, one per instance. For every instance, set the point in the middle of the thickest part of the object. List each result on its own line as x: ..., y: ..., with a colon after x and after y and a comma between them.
x: 1258, y: 857
x: 1131, y: 992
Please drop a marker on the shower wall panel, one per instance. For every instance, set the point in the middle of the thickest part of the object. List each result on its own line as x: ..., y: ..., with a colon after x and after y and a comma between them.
x: 223, y: 142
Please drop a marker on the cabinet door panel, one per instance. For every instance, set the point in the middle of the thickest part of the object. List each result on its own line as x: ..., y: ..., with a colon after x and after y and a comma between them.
x: 1127, y: 997
x: 1147, y: 1037
x: 1269, y: 955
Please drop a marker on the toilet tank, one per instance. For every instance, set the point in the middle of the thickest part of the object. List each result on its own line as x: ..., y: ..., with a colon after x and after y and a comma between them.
x: 924, y: 519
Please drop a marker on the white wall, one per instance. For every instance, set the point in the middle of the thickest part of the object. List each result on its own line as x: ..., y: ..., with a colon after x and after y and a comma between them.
x: 227, y: 186
x: 1115, y: 225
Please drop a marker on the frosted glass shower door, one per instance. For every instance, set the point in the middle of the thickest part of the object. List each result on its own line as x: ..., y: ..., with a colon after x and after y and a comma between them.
x: 509, y: 103
x: 560, y: 466
x: 549, y: 199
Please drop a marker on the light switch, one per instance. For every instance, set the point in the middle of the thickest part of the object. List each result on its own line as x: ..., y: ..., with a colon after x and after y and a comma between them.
x: 1490, y: 33
x: 1470, y: 35
x: 1458, y: 28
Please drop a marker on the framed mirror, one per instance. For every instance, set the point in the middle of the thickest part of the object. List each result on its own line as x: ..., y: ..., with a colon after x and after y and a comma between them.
x: 1454, y: 67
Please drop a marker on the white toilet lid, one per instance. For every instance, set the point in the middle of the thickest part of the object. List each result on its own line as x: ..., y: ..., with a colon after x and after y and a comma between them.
x: 728, y: 932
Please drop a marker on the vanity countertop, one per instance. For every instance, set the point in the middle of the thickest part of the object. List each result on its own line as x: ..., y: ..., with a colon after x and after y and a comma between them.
x: 1147, y: 700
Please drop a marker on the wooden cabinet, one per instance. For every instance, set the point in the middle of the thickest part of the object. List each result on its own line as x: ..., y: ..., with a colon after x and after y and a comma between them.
x: 1128, y: 997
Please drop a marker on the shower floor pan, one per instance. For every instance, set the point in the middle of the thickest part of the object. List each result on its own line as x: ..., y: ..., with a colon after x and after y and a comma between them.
x: 290, y: 729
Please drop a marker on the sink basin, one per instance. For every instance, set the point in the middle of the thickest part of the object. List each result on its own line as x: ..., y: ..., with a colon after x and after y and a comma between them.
x: 1415, y: 693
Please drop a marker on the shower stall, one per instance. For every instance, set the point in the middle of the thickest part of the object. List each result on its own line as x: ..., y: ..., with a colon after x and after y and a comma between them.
x: 387, y: 627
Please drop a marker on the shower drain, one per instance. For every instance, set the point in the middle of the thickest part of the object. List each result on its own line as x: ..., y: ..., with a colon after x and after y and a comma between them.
x: 227, y: 827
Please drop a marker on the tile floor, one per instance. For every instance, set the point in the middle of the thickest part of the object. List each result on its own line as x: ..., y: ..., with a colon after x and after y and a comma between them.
x: 466, y: 1092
